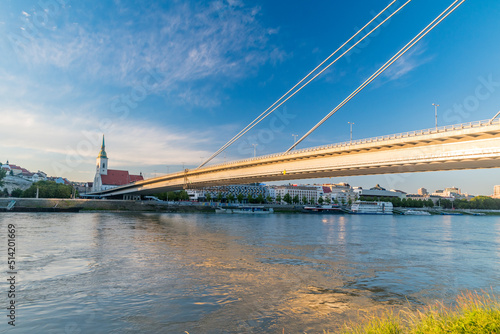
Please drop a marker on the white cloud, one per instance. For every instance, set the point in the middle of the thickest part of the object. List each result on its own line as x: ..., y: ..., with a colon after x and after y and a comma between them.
x: 67, y: 145
x: 407, y: 63
x: 216, y: 42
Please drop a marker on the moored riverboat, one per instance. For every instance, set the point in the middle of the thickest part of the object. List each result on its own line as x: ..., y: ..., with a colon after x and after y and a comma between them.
x: 371, y: 208
x: 246, y: 210
x: 334, y: 208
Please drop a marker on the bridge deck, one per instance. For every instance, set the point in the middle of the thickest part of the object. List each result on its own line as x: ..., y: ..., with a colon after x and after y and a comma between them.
x: 463, y: 146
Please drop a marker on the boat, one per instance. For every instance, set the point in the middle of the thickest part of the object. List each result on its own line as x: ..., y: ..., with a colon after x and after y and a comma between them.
x: 417, y: 213
x: 371, y: 208
x: 245, y: 209
x: 452, y: 213
x: 334, y: 208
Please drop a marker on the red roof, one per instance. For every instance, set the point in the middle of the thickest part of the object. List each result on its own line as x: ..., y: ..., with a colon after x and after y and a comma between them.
x: 327, y: 190
x: 119, y: 177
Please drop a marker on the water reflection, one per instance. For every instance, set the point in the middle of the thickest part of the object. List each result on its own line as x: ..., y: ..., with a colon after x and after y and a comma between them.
x: 102, y: 272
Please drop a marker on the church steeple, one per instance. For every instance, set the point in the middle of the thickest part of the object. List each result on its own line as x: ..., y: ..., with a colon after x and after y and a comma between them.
x: 102, y: 154
x: 102, y: 160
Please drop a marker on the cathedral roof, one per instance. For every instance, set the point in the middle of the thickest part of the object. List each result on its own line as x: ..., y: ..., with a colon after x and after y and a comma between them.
x: 117, y: 177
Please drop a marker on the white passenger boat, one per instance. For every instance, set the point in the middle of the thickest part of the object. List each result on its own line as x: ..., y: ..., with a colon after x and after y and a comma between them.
x: 333, y: 208
x: 417, y: 213
x: 371, y: 208
x: 246, y: 209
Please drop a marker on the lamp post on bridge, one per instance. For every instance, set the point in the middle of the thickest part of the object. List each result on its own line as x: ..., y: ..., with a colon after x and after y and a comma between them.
x: 436, y: 113
x: 255, y: 150
x: 351, y: 124
x: 294, y: 139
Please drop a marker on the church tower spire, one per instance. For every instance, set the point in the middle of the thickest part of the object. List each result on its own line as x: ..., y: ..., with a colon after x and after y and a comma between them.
x: 102, y: 154
x: 102, y: 160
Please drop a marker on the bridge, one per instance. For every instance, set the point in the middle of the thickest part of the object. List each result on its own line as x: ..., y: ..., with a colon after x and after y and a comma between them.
x: 463, y: 146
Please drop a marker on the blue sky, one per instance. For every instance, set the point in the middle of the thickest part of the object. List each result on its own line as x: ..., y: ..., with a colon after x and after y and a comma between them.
x: 170, y: 82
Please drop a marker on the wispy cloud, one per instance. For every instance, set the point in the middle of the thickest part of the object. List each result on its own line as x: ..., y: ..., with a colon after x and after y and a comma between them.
x: 413, y: 59
x: 73, y: 141
x: 215, y: 43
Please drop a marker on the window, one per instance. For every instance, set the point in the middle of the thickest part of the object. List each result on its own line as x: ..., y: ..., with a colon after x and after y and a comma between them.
x: 103, y: 165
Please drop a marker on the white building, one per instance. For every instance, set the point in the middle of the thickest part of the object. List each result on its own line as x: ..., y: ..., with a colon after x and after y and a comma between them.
x: 110, y: 178
x: 311, y: 193
x: 379, y: 192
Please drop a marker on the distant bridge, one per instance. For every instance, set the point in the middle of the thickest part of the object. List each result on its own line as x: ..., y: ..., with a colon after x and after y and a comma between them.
x: 464, y: 146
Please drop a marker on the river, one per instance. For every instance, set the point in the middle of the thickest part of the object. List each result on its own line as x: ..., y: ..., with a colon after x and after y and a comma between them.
x: 208, y: 273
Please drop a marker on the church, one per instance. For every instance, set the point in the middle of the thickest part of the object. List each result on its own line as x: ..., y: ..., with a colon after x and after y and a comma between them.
x: 110, y: 178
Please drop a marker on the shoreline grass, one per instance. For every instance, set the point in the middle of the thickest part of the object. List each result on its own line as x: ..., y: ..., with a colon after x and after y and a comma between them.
x: 472, y: 312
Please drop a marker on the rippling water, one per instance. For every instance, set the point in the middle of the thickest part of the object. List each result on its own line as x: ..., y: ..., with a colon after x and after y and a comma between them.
x: 207, y: 273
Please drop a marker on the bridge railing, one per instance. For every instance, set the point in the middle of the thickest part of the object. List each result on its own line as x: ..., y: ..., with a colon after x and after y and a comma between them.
x: 409, y: 134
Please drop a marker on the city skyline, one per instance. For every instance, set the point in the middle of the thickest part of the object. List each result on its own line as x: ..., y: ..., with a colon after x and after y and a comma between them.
x: 170, y: 84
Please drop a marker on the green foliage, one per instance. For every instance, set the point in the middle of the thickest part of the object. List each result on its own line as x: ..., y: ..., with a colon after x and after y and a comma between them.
x: 260, y: 199
x: 174, y: 196
x: 48, y: 189
x: 287, y: 198
x: 219, y: 197
x: 208, y: 197
x: 296, y: 199
x: 312, y: 201
x: 473, y: 313
x: 328, y: 200
x: 321, y: 200
x: 240, y: 198
x: 3, y: 173
x: 230, y: 198
x: 17, y: 192
x: 250, y: 198
x: 304, y: 200
x: 269, y: 199
x: 278, y: 199
x: 4, y: 193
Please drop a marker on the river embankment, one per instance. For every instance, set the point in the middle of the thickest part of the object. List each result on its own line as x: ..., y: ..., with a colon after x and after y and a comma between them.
x: 125, y: 205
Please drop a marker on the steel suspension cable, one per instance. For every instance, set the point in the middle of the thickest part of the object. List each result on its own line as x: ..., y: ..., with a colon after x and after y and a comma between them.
x: 267, y: 112
x: 398, y: 55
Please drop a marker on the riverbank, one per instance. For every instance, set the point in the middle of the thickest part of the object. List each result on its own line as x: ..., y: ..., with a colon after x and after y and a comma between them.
x: 472, y: 313
x: 89, y: 205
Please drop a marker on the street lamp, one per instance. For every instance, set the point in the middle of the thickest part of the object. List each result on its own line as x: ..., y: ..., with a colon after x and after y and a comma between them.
x: 294, y: 140
x: 255, y: 150
x: 351, y: 124
x: 436, y: 113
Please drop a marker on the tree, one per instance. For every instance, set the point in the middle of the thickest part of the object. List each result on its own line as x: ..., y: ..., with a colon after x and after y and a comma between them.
x: 287, y: 198
x: 321, y: 200
x: 349, y: 201
x: 230, y: 198
x: 312, y: 201
x: 260, y: 199
x: 17, y: 192
x: 183, y: 195
x: 3, y: 172
x: 269, y: 199
x: 328, y: 200
x: 208, y: 197
x: 48, y: 189
x: 296, y: 199
x: 304, y: 199
x: 278, y: 199
x: 250, y: 198
x: 219, y: 196
x: 240, y: 197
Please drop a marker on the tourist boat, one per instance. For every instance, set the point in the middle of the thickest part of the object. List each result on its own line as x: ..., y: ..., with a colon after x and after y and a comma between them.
x: 245, y: 209
x: 334, y: 208
x: 417, y: 213
x: 371, y: 208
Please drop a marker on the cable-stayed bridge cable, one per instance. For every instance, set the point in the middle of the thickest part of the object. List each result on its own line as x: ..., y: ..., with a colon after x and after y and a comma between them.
x: 398, y: 55
x: 267, y: 112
